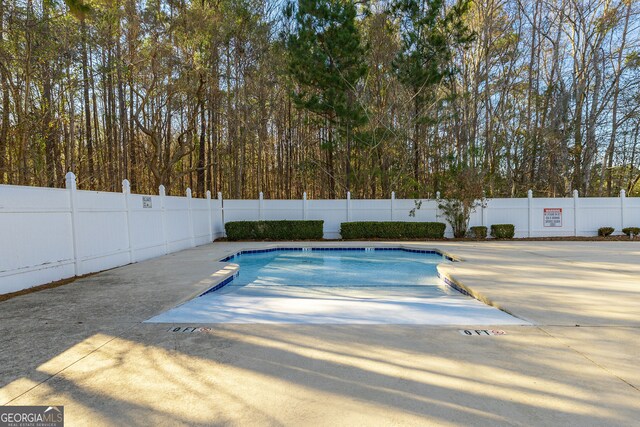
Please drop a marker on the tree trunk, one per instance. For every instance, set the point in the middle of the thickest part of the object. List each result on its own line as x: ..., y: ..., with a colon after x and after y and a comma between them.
x: 122, y: 111
x: 87, y: 106
x: 614, y: 107
x: 4, y: 85
x: 201, y: 151
x: 4, y: 131
x: 417, y: 136
x: 23, y: 175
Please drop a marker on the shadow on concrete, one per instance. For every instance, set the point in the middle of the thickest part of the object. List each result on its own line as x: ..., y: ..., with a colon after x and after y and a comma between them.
x: 83, y: 346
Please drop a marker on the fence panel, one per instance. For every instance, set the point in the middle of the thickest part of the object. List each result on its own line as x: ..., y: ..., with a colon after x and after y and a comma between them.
x: 509, y: 211
x: 102, y: 231
x: 241, y: 210
x: 147, y: 232
x: 333, y: 212
x: 217, y: 218
x: 478, y: 217
x: 541, y: 208
x: 371, y: 210
x: 200, y: 217
x: 596, y: 212
x: 36, y: 237
x: 282, y: 209
x: 177, y: 223
x: 632, y: 212
x: 427, y: 211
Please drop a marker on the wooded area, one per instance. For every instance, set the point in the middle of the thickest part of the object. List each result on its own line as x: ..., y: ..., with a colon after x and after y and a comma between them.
x: 242, y: 96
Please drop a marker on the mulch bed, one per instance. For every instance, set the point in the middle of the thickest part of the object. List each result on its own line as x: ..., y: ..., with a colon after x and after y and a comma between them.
x: 51, y: 285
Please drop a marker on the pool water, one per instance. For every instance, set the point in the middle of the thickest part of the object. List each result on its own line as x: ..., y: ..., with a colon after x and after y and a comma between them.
x: 337, y: 286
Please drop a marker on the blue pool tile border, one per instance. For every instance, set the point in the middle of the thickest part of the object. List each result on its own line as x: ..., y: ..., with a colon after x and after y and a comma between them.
x: 221, y: 284
x: 258, y: 251
x: 455, y: 286
x: 464, y: 291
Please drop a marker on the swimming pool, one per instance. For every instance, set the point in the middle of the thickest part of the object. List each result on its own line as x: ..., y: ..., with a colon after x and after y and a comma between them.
x: 337, y: 285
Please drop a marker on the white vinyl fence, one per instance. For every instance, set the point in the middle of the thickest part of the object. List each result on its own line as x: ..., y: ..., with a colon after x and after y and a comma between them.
x: 48, y: 234
x: 532, y: 217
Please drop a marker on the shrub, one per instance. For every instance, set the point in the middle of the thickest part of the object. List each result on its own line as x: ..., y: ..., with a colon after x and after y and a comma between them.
x: 503, y: 231
x: 605, y: 231
x: 392, y: 230
x: 457, y: 213
x: 479, y: 232
x: 463, y: 188
x: 631, y: 231
x: 274, y: 230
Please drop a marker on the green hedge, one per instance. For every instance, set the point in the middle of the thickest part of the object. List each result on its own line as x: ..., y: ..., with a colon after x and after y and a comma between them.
x: 503, y: 231
x: 631, y: 231
x: 392, y: 230
x: 274, y: 230
x: 605, y: 231
x: 479, y: 232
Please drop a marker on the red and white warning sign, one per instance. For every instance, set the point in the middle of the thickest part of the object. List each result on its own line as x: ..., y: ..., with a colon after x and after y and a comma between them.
x: 552, y: 217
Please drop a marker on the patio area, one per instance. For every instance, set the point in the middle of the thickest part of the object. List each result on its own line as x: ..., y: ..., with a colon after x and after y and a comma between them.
x: 85, y: 346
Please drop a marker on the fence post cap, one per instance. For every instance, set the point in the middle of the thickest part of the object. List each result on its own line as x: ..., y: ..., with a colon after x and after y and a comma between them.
x: 304, y: 196
x: 161, y: 190
x: 188, y: 192
x: 260, y: 195
x: 393, y: 194
x: 437, y: 194
x: 575, y: 193
x: 208, y: 194
x: 219, y: 195
x: 530, y: 193
x: 623, y: 193
x: 70, y: 178
x: 348, y: 195
x: 126, y: 186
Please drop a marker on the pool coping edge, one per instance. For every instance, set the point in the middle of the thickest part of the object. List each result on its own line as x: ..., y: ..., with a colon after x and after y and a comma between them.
x: 449, y: 280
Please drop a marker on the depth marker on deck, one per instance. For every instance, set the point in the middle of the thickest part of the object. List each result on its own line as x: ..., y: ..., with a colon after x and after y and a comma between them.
x: 481, y: 332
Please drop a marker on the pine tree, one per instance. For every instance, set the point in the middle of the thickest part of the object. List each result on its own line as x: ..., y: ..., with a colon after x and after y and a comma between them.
x: 327, y: 61
x: 430, y: 34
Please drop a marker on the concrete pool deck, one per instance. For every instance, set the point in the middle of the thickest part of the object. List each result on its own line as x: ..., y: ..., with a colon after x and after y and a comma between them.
x: 348, y: 287
x: 84, y: 345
